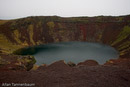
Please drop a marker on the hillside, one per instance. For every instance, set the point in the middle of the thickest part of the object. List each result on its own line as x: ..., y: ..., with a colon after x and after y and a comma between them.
x: 19, y: 33
x: 59, y: 74
x: 30, y: 31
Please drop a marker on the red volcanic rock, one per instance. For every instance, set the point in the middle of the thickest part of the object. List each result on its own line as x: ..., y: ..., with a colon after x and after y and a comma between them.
x: 59, y: 66
x: 122, y: 62
x: 12, y: 67
x: 42, y: 67
x: 61, y: 76
x: 89, y: 63
x: 56, y: 66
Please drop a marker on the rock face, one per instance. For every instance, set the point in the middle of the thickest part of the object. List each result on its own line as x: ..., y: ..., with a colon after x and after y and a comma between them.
x: 114, y: 31
x: 13, y: 62
x: 121, y: 62
x: 89, y: 63
x: 60, y: 74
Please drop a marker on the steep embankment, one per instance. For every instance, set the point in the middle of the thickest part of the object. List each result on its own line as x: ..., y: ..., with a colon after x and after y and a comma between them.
x: 114, y: 31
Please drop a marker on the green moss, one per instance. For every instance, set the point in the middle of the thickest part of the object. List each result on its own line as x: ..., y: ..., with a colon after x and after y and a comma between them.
x: 125, y: 45
x: 125, y: 51
x: 30, y: 64
x: 99, y: 36
x: 123, y: 35
x: 39, y: 24
x: 25, y: 43
x: 39, y: 42
x: 17, y: 36
x: 6, y: 45
x: 120, y: 19
x: 35, y: 67
x: 28, y: 61
x: 51, y: 24
x: 30, y: 30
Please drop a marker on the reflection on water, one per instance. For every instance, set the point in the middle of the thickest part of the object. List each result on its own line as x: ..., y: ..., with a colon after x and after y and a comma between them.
x: 73, y: 51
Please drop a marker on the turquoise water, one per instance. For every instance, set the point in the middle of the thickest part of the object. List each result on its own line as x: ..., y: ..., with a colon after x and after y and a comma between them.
x: 73, y: 51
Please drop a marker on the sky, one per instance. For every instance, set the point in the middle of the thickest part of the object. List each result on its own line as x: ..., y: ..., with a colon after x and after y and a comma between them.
x: 12, y: 9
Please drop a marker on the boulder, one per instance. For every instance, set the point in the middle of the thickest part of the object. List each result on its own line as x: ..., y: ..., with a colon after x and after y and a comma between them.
x: 42, y: 67
x: 88, y: 63
x: 59, y: 66
x: 71, y: 64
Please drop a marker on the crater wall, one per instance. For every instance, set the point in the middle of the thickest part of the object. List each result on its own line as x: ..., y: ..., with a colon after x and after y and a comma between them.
x: 19, y: 33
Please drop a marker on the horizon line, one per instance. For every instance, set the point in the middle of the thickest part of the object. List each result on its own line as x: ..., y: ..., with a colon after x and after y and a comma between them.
x: 62, y: 16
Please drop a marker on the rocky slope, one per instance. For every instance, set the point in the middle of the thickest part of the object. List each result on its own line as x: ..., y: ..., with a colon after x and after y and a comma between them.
x: 10, y: 62
x: 114, y: 31
x: 60, y: 74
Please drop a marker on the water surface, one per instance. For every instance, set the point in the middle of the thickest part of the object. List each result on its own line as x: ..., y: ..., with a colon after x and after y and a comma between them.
x: 73, y: 51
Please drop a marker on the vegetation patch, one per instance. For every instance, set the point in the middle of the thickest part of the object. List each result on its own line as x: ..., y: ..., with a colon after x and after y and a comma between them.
x: 123, y: 35
x: 30, y: 30
x: 125, y: 45
x: 17, y: 36
x: 6, y: 45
